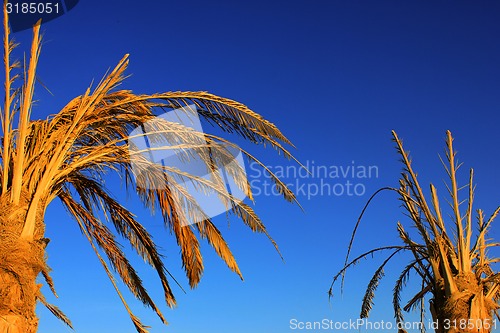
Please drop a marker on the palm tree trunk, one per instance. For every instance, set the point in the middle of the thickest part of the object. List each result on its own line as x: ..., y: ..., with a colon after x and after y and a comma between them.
x: 20, y: 263
x: 465, y: 311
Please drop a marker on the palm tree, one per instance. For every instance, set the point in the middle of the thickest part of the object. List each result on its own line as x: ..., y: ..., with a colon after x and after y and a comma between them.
x: 67, y: 155
x: 453, y: 269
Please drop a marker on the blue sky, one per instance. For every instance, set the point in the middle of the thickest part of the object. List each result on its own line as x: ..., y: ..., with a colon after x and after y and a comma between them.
x: 336, y: 77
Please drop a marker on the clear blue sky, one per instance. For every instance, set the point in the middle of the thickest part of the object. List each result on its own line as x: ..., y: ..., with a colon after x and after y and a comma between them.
x: 336, y: 77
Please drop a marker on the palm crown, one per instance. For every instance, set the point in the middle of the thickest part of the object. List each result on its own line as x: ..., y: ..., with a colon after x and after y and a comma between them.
x: 454, y: 271
x: 67, y: 155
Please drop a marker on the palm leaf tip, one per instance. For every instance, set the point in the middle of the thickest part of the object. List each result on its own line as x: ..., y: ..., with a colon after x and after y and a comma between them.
x: 56, y: 311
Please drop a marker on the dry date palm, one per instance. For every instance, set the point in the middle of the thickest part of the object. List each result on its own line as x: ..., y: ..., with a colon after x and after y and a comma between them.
x: 450, y: 260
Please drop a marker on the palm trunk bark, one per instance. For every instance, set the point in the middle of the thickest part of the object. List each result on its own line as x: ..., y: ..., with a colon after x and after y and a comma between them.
x: 21, y: 261
x: 466, y: 311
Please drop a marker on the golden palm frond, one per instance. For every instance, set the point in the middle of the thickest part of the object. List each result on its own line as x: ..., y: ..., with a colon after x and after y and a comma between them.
x: 68, y: 155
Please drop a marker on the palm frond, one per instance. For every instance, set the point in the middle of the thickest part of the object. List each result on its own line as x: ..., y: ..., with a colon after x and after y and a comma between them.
x: 141, y: 328
x: 55, y: 311
x: 353, y: 235
x: 209, y: 231
x: 398, y: 287
x: 26, y: 101
x: 417, y: 297
x: 356, y: 260
x: 69, y: 154
x: 367, y: 303
x: 99, y: 234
